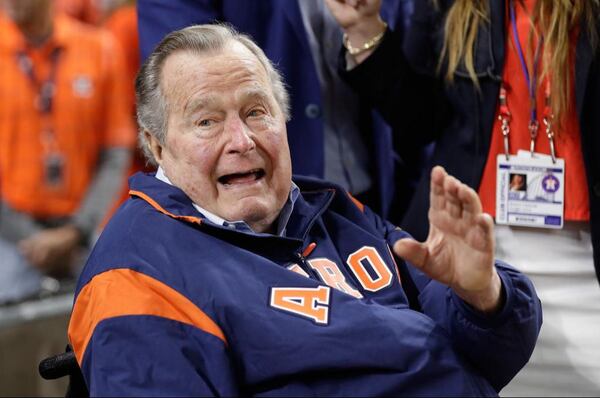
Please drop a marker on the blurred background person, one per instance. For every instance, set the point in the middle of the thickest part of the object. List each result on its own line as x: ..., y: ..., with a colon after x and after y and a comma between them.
x: 119, y: 17
x: 483, y: 77
x: 332, y: 134
x: 88, y: 11
x: 66, y: 136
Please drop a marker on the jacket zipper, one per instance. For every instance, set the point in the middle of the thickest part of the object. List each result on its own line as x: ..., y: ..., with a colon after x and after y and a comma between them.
x: 305, y: 266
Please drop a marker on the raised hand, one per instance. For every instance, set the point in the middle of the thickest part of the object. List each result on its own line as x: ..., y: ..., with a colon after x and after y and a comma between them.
x: 350, y: 13
x: 360, y: 21
x: 459, y: 250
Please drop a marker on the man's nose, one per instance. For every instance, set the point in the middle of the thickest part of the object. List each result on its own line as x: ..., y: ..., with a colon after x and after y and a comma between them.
x: 240, y: 136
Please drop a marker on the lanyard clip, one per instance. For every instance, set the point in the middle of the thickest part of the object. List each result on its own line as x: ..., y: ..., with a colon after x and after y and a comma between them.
x: 534, y: 125
x: 504, y: 116
x: 505, y: 128
x: 550, y: 134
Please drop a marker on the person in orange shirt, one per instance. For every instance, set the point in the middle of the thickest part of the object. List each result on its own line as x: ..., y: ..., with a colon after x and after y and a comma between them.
x: 122, y: 23
x: 87, y: 11
x: 66, y: 136
x: 94, y: 12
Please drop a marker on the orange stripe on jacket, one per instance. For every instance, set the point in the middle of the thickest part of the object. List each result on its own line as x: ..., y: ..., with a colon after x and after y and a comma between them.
x: 357, y: 202
x: 153, y: 203
x: 122, y: 292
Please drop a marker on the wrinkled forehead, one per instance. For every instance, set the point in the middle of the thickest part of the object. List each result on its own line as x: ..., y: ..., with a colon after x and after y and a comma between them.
x: 216, y: 71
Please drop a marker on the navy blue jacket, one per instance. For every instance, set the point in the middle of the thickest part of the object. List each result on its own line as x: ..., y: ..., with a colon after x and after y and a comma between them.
x: 406, y: 89
x: 277, y: 27
x: 171, y: 304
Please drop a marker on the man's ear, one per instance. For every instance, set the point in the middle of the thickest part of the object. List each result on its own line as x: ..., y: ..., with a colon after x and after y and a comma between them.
x: 154, y: 146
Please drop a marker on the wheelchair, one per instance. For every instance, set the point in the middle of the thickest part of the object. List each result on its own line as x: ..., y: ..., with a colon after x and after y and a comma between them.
x: 62, y: 365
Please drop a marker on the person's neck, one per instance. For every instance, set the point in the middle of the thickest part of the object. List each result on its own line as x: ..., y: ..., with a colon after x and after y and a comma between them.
x: 267, y: 225
x: 37, y: 30
x: 263, y: 226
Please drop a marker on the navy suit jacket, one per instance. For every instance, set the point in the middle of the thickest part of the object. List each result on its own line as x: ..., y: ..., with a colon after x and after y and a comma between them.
x: 277, y: 27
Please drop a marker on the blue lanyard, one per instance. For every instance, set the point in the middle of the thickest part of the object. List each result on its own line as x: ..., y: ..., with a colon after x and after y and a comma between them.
x: 531, y: 78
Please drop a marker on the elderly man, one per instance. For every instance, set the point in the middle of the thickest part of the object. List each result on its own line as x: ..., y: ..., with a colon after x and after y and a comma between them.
x: 221, y: 276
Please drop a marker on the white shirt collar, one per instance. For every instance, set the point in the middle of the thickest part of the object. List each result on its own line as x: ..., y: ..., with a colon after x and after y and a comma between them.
x: 284, y: 215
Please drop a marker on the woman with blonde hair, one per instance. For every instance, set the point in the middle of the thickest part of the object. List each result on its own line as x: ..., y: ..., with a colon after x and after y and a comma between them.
x: 505, y: 87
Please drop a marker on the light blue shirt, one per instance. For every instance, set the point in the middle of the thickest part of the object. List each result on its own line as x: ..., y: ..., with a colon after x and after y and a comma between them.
x: 284, y: 215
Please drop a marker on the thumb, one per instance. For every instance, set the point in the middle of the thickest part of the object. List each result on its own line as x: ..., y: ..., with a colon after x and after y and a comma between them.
x: 412, y: 251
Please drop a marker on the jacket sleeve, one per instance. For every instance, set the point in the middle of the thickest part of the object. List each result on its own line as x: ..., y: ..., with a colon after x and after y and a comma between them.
x: 135, y: 336
x: 400, y: 80
x: 497, y: 345
x: 157, y: 18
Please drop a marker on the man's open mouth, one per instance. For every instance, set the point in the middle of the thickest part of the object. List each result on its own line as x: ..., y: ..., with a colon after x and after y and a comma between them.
x: 242, y: 178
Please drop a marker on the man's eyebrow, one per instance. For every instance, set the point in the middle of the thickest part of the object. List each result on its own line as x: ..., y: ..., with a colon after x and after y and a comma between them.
x: 256, y: 92
x: 197, y: 103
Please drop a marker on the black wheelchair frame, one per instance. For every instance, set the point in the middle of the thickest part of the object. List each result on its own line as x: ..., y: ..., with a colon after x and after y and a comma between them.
x: 62, y: 365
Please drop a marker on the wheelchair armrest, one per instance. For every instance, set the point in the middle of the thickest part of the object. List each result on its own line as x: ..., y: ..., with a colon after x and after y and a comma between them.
x: 58, y: 366
x: 61, y: 365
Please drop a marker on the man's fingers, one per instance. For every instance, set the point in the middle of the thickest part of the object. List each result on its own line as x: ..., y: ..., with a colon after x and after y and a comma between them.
x: 436, y: 195
x: 486, y: 224
x: 412, y: 251
x: 446, y: 206
x: 453, y: 202
x: 437, y: 176
x: 455, y: 207
x: 480, y: 235
x: 471, y: 203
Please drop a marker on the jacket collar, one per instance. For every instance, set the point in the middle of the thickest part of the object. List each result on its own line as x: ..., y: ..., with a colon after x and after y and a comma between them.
x: 174, y: 203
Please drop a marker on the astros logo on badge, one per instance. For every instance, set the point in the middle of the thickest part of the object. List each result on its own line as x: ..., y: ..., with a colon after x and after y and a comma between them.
x: 550, y: 183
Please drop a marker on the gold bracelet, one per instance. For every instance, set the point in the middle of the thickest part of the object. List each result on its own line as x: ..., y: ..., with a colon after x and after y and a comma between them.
x: 369, y: 44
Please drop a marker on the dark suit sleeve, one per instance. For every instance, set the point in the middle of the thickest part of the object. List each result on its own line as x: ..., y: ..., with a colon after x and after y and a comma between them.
x: 400, y: 80
x: 157, y: 18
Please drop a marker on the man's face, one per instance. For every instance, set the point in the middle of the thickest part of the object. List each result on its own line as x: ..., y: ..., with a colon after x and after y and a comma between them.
x: 226, y: 145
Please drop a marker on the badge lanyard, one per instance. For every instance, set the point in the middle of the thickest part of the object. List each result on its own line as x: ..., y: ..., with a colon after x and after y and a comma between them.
x: 531, y: 79
x: 529, y: 185
x: 44, y: 101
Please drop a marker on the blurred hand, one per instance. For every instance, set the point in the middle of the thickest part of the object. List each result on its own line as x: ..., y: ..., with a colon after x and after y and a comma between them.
x: 52, y: 250
x: 360, y: 21
x: 459, y: 250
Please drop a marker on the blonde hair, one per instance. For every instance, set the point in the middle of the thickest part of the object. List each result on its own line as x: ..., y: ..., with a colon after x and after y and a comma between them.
x: 555, y: 20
